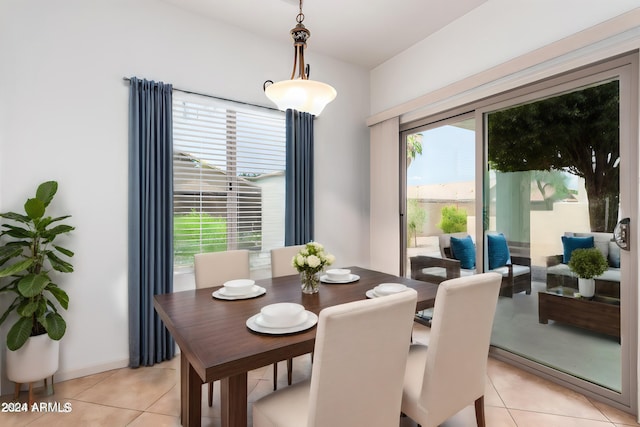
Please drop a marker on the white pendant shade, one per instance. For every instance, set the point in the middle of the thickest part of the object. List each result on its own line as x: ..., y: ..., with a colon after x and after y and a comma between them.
x: 308, y: 96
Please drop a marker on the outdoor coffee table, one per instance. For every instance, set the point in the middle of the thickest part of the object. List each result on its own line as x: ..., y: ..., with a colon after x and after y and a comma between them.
x: 598, y: 314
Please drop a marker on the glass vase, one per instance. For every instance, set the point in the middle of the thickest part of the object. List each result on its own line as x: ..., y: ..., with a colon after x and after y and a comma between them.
x: 310, y: 282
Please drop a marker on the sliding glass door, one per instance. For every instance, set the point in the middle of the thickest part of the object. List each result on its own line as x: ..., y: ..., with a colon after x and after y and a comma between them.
x: 440, y: 184
x: 553, y: 185
x: 556, y: 160
x: 551, y: 171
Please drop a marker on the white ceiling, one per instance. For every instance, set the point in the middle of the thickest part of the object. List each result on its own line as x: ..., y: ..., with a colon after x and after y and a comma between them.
x: 363, y: 32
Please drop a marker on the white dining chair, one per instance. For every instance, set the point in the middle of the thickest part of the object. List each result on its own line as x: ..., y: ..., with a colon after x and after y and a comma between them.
x: 449, y: 374
x: 214, y: 269
x: 356, y: 379
x: 281, y: 265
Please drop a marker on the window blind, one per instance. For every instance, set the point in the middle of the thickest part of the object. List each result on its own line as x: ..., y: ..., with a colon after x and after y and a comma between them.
x: 229, y: 163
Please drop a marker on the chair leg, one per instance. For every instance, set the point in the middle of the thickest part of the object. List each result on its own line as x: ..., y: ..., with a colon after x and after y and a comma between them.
x: 289, y: 371
x: 211, y: 394
x: 480, y: 411
x: 275, y: 376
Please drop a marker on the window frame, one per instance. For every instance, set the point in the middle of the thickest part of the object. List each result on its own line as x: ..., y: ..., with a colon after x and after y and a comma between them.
x: 224, y: 153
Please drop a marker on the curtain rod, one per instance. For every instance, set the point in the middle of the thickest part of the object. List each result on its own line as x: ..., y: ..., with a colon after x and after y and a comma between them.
x: 127, y: 79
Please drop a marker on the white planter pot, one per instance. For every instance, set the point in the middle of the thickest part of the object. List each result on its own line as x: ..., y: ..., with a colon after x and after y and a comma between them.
x: 36, y: 360
x: 586, y: 287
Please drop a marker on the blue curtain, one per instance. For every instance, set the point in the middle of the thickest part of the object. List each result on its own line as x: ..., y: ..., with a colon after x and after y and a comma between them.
x: 299, y: 179
x: 150, y: 219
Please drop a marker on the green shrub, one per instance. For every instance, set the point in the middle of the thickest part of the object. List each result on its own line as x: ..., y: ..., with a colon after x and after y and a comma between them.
x: 195, y: 233
x: 453, y: 220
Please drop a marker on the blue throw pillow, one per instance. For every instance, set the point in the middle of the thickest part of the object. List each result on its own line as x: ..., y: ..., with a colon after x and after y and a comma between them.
x: 570, y: 244
x: 498, y: 251
x: 614, y: 255
x: 464, y: 251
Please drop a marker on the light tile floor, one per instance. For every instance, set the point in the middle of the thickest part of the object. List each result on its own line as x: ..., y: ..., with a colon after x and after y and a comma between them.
x: 149, y: 396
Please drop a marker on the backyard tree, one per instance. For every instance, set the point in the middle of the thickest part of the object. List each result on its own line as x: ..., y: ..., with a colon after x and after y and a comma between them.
x: 576, y: 132
x: 416, y: 216
x: 414, y: 147
x: 552, y: 186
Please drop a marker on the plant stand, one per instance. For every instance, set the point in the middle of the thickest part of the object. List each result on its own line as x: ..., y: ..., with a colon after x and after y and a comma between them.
x: 48, y: 387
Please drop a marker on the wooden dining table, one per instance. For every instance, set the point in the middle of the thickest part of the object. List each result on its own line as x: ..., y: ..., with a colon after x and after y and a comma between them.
x: 216, y: 344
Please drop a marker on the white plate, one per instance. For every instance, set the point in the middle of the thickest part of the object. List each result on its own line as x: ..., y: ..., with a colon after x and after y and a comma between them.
x: 352, y: 278
x: 312, y: 319
x: 256, y: 291
x: 372, y: 294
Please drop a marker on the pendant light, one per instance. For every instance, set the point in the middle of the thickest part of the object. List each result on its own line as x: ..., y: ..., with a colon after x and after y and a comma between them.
x: 299, y: 93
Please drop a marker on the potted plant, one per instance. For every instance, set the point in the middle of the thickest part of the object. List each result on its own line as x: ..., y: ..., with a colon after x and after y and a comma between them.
x: 587, y: 264
x: 27, y: 255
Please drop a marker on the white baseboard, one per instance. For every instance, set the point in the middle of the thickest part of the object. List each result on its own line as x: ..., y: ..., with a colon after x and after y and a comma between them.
x: 90, y: 370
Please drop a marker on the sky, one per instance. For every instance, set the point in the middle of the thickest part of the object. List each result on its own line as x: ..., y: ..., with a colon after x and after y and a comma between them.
x: 448, y: 155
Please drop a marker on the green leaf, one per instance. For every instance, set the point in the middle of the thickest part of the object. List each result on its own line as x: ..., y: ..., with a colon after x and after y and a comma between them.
x: 19, y: 333
x: 60, y: 218
x: 16, y: 268
x: 60, y: 295
x: 11, y: 286
x: 32, y: 284
x: 34, y: 208
x: 55, y: 325
x: 16, y: 217
x: 58, y: 264
x: 46, y: 191
x: 67, y: 252
x: 10, y: 309
x: 41, y: 310
x: 43, y: 223
x: 8, y: 252
x: 58, y: 229
x: 20, y: 243
x: 27, y: 308
x: 17, y: 232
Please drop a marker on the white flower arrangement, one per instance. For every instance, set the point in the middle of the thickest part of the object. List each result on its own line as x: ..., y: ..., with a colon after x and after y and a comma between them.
x: 312, y: 258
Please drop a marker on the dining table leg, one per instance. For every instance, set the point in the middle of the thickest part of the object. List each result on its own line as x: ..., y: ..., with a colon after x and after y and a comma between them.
x: 190, y: 394
x: 233, y: 398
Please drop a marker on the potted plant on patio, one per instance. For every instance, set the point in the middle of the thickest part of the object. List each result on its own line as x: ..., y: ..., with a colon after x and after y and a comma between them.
x: 27, y: 255
x: 587, y: 264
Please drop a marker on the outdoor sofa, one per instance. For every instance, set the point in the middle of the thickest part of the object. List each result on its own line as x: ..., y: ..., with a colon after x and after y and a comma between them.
x: 516, y: 271
x: 559, y: 274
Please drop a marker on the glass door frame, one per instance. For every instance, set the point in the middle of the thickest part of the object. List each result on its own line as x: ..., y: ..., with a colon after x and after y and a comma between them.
x: 622, y: 69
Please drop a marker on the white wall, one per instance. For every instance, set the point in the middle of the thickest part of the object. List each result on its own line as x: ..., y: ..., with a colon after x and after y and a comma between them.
x: 63, y: 116
x: 494, y: 33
